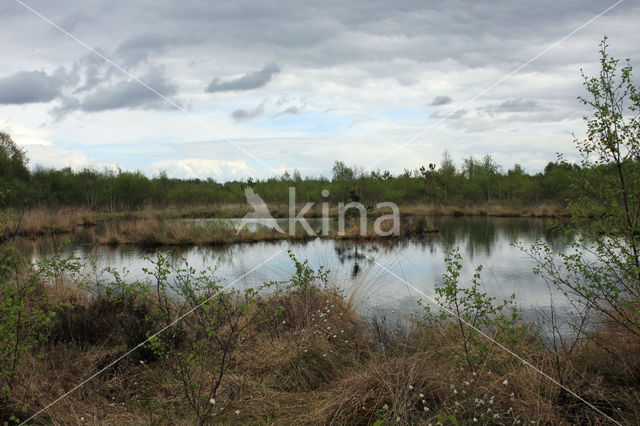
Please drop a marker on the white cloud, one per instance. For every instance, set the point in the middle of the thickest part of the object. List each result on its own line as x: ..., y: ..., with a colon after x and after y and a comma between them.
x: 23, y: 135
x: 202, y: 168
x: 50, y: 156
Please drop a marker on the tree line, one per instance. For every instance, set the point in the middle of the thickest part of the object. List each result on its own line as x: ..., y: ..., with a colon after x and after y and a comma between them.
x: 476, y: 181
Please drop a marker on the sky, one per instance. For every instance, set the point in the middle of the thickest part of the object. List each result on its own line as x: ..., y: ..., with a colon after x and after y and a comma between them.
x: 235, y: 89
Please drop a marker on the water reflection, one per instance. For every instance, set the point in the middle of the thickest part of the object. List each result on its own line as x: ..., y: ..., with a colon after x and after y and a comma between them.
x: 481, y: 235
x: 419, y: 261
x: 355, y: 253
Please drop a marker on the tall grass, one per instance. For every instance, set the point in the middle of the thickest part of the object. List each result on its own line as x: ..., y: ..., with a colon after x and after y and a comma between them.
x: 318, y: 363
x: 155, y: 232
x: 46, y: 221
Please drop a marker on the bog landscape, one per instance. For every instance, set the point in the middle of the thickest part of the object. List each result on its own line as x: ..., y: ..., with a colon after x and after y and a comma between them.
x: 459, y: 291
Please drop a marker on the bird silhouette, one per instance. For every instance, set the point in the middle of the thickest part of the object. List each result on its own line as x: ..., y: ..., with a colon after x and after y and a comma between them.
x: 260, y: 215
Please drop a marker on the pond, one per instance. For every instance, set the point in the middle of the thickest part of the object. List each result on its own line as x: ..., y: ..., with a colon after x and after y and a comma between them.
x: 380, y: 279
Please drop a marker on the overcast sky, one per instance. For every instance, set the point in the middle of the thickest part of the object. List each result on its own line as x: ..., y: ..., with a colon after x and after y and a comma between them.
x: 244, y: 88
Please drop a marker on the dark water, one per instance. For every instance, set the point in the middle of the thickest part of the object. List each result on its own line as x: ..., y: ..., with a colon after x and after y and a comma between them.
x: 378, y: 277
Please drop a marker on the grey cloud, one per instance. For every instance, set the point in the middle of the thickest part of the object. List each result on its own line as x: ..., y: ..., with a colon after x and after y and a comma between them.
x: 441, y: 100
x: 512, y: 105
x: 292, y: 110
x: 92, y: 70
x: 468, y: 33
x: 26, y: 87
x: 252, y: 80
x: 246, y: 115
x: 299, y: 105
x: 465, y: 121
x: 71, y: 21
x: 97, y: 83
x: 123, y: 94
x: 456, y: 115
x: 407, y: 80
x: 282, y: 100
x: 140, y: 48
x: 360, y: 118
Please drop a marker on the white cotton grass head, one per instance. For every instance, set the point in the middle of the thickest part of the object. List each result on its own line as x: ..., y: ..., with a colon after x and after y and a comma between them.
x: 212, y: 401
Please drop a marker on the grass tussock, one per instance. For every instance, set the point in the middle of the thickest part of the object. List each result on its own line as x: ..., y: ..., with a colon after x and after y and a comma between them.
x: 318, y: 362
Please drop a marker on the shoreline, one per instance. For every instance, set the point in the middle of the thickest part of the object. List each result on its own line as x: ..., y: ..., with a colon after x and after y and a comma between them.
x: 35, y: 223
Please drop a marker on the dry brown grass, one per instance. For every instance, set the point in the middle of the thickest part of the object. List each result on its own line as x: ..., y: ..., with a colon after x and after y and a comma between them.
x: 492, y: 209
x: 416, y: 383
x: 222, y: 211
x: 155, y: 232
x: 158, y: 232
x: 38, y: 222
x: 315, y: 339
x: 320, y: 363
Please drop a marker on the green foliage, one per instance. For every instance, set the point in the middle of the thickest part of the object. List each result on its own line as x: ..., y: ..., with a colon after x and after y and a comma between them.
x: 342, y: 173
x: 442, y: 419
x: 14, y: 175
x: 205, y: 325
x: 205, y: 329
x: 463, y: 311
x: 602, y: 270
x: 305, y: 276
x: 25, y: 321
x: 59, y: 268
x: 477, y: 181
x: 482, y: 179
x: 608, y: 186
x: 13, y: 162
